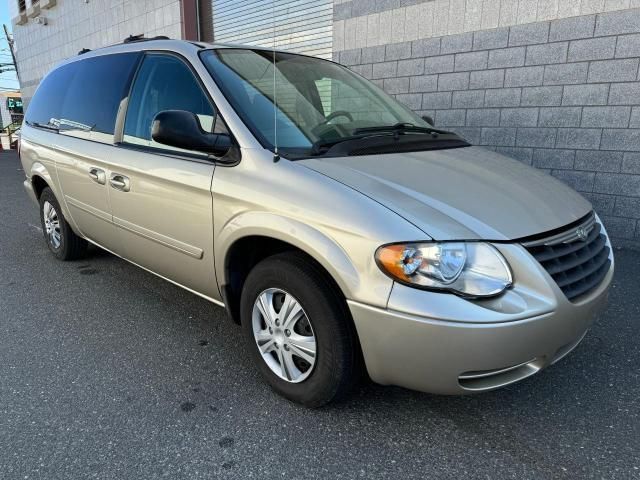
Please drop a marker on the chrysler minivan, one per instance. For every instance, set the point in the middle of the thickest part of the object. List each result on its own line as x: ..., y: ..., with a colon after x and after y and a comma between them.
x: 345, y: 234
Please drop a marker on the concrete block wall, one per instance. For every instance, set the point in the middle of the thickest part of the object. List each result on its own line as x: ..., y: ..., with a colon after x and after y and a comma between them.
x: 562, y: 95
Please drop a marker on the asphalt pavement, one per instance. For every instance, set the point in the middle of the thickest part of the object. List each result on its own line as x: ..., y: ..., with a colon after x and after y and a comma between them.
x: 109, y: 372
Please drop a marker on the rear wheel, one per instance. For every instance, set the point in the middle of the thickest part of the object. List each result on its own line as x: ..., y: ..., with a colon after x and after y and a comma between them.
x: 298, y: 330
x: 61, y: 240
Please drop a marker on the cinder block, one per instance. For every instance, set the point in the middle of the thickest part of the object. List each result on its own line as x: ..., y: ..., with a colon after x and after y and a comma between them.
x: 397, y: 51
x: 592, y: 49
x: 579, y: 138
x: 414, y: 66
x: 631, y: 163
x: 519, y: 117
x: 572, y: 28
x: 503, y: 97
x: 456, y: 43
x: 627, y: 140
x: 560, y: 117
x: 541, y: 96
x: 553, y: 158
x: 628, y: 207
x: 618, y: 23
x: 529, y: 34
x: 471, y: 61
x: 598, y: 161
x: 566, y: 73
x: 453, y: 81
x: 385, y: 69
x: 547, y: 54
x: 373, y: 54
x: 424, y: 83
x: 634, y: 122
x: 606, y: 117
x: 483, y: 117
x: 536, y: 137
x: 507, y: 57
x: 613, y: 71
x: 451, y: 118
x: 487, y: 79
x: 624, y: 94
x: 441, y: 64
x: 490, y: 39
x: 427, y: 47
x: 618, y: 183
x: 585, y: 94
x: 524, y: 76
x: 350, y: 57
x: 499, y: 136
x: 468, y: 99
x: 581, y: 181
x: 628, y: 46
x: 436, y: 100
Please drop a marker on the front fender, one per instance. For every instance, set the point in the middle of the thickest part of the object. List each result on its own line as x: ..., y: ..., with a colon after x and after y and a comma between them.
x: 356, y: 277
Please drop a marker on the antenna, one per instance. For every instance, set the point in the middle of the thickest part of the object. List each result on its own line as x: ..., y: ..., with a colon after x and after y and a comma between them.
x: 276, y: 155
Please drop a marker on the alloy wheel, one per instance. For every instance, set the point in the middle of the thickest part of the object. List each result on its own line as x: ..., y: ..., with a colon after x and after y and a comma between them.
x: 284, y: 335
x: 52, y: 225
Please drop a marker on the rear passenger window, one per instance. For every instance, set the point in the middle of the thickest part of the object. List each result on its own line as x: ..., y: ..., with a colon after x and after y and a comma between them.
x: 164, y: 82
x: 83, y: 97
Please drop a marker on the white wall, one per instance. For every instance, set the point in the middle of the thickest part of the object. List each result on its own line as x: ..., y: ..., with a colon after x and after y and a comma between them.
x: 76, y: 24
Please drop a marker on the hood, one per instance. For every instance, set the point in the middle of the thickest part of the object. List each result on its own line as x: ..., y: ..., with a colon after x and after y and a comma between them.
x: 461, y: 193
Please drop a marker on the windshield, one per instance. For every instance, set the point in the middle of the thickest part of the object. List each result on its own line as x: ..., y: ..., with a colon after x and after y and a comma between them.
x: 317, y: 101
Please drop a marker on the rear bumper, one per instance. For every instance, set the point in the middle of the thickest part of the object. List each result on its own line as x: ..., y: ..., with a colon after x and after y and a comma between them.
x: 440, y: 343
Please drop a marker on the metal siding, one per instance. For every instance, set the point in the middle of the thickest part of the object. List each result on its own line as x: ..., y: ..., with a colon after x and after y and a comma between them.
x: 303, y: 26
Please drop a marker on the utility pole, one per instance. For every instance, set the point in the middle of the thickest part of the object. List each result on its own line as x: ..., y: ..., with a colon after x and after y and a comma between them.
x: 13, y: 53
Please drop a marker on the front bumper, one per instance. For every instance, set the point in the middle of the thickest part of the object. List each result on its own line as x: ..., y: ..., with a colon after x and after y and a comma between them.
x: 441, y: 343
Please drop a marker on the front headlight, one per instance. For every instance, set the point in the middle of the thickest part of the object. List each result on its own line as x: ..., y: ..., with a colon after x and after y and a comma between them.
x: 471, y: 269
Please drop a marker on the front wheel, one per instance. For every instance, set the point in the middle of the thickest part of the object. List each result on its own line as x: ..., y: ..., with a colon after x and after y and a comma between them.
x: 298, y: 330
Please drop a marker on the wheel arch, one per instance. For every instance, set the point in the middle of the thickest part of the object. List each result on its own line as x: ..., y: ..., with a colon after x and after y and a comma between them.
x: 257, y: 236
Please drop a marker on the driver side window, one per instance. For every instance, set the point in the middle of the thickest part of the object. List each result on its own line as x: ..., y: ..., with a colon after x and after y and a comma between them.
x: 164, y: 82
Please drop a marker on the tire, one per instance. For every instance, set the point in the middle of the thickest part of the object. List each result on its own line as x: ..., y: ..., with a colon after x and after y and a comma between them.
x: 335, y: 366
x: 63, y: 243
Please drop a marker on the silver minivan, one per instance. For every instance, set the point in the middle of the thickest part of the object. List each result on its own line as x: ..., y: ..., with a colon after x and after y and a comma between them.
x: 346, y: 234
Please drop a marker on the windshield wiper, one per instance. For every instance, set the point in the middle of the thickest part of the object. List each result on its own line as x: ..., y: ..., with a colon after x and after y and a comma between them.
x: 363, y: 132
x: 398, y: 128
x: 42, y: 125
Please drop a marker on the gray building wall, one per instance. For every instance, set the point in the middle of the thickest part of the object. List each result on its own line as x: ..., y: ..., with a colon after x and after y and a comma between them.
x: 562, y: 95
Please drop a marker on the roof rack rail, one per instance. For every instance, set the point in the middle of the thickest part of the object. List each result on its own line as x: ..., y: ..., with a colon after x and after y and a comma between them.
x: 83, y: 51
x: 142, y: 38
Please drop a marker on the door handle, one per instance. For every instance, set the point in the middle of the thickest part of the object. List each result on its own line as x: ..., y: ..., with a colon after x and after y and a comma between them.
x: 97, y: 175
x: 119, y: 182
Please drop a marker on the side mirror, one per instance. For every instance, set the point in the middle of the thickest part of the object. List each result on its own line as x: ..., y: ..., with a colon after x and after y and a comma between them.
x: 428, y: 119
x: 182, y: 129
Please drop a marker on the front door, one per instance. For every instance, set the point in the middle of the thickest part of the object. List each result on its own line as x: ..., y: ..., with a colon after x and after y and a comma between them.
x: 161, y: 196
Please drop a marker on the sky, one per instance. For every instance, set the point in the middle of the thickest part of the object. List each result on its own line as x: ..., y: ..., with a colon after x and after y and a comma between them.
x: 8, y: 80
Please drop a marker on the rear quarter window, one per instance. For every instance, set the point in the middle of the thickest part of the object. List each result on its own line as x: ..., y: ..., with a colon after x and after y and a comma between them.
x: 84, y: 96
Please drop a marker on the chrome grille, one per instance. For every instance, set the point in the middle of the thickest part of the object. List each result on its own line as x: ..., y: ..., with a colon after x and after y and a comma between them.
x: 577, y: 258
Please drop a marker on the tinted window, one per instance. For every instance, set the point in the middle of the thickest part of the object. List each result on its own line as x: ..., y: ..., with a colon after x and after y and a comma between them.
x: 83, y: 95
x: 46, y: 105
x: 164, y: 83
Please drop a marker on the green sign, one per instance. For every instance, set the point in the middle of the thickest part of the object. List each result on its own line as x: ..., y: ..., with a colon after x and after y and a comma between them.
x: 14, y: 104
